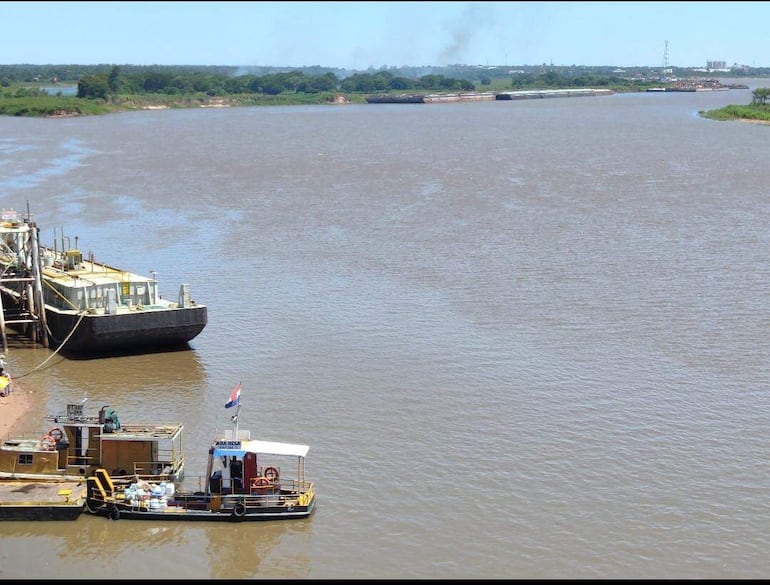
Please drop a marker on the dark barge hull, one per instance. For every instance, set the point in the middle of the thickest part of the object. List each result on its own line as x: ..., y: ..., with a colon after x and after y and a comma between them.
x: 40, y: 512
x: 125, y: 513
x: 139, y: 330
x: 115, y: 512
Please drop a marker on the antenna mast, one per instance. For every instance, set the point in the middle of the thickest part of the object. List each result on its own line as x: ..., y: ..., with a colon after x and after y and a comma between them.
x: 665, y: 70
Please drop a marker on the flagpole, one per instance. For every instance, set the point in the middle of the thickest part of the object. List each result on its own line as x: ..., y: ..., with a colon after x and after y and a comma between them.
x: 235, y: 421
x: 234, y: 418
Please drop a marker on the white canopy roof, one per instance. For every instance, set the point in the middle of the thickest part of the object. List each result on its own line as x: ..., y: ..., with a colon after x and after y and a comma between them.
x: 265, y: 447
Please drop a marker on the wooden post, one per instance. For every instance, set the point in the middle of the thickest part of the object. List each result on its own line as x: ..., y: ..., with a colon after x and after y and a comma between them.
x: 37, y: 271
x: 2, y: 326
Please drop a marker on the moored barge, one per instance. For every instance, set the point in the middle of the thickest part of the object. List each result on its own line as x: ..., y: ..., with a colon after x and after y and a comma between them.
x: 42, y: 499
x: 83, y: 307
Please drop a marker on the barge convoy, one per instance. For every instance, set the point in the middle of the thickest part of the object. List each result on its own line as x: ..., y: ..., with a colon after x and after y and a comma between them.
x: 474, y: 96
x: 81, y: 307
x: 438, y: 98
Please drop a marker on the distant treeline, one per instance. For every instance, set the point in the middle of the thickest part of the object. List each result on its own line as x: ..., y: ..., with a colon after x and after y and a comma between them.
x: 109, y: 82
x: 554, y: 79
x: 71, y: 74
x: 115, y: 82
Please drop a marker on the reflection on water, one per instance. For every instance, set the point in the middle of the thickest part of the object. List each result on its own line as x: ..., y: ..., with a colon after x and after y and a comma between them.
x: 247, y: 549
x: 215, y: 550
x: 98, y: 355
x: 173, y: 368
x: 157, y: 387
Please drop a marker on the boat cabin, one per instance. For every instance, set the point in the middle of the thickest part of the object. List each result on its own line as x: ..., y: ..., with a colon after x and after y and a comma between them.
x: 245, y: 466
x: 73, y: 283
x: 76, y: 445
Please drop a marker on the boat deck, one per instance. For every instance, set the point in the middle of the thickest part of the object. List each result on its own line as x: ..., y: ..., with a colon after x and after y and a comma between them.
x: 127, y: 432
x: 24, y: 500
x: 134, y: 432
x: 88, y: 273
x: 28, y: 441
x: 35, y: 492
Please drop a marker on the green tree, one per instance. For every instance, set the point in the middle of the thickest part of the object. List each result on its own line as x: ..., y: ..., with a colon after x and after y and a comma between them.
x: 113, y: 80
x: 760, y: 96
x: 93, y: 87
x: 156, y: 81
x: 401, y: 83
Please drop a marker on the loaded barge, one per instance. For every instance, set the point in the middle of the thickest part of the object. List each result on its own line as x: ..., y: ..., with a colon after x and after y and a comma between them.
x: 81, y: 307
x: 441, y: 98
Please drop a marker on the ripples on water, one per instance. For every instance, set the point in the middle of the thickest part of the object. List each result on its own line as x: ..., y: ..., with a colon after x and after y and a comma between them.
x: 522, y: 339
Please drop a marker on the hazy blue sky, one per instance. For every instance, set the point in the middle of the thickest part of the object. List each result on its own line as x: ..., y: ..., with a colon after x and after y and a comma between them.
x: 358, y: 35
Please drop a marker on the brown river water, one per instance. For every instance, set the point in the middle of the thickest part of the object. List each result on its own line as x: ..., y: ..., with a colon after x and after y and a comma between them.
x: 523, y: 339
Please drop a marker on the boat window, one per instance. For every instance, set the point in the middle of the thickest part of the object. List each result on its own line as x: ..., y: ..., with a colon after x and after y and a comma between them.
x: 25, y: 459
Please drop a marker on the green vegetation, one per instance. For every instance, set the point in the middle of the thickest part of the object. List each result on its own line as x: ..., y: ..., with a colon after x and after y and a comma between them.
x: 750, y: 112
x: 758, y: 110
x: 112, y: 88
x: 49, y: 106
x: 559, y: 80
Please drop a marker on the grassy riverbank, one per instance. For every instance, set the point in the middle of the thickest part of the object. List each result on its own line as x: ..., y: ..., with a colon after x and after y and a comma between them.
x: 50, y: 106
x: 62, y: 106
x: 749, y: 113
x: 32, y: 100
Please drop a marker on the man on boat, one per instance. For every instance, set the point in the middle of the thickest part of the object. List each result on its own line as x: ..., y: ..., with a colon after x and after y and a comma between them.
x: 5, y: 379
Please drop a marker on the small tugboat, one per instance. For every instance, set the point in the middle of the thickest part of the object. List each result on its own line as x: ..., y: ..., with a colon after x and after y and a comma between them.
x: 77, y: 445
x: 245, y: 481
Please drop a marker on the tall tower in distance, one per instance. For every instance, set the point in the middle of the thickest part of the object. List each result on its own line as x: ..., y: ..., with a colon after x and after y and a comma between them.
x: 666, y: 71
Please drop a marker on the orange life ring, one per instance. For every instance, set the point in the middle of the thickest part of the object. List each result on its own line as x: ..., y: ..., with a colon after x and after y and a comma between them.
x: 260, y: 482
x: 47, y: 442
x: 271, y: 473
x: 56, y: 434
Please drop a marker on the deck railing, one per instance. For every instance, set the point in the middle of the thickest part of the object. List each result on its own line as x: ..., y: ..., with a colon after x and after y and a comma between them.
x: 283, y: 496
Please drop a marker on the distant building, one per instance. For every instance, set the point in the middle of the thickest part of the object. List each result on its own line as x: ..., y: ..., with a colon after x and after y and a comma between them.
x: 712, y: 66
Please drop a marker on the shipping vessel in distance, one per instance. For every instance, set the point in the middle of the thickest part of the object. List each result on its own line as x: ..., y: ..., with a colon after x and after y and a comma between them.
x: 85, y: 308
